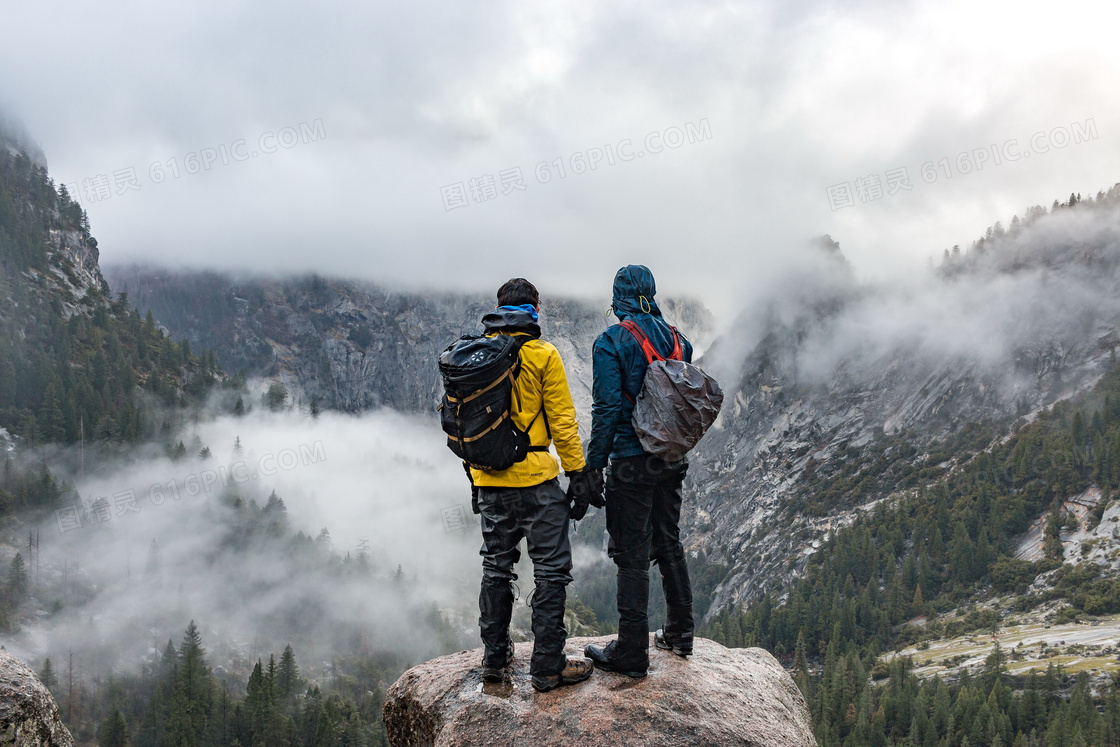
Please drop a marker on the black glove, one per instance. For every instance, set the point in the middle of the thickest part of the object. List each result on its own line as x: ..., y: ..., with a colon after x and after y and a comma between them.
x: 585, y: 488
x: 596, y: 482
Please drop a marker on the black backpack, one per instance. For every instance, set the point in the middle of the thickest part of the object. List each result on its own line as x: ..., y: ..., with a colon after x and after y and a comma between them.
x: 477, y: 408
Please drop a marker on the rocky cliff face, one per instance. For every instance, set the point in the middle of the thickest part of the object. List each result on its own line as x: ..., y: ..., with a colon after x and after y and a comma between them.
x: 73, y: 274
x: 352, y: 345
x: 718, y: 696
x: 28, y: 714
x: 829, y: 374
x: 72, y: 254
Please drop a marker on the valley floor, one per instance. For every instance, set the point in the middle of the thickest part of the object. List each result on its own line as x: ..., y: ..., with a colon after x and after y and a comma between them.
x: 1086, y: 645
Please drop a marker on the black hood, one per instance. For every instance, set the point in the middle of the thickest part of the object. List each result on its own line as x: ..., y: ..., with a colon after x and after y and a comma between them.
x: 506, y: 321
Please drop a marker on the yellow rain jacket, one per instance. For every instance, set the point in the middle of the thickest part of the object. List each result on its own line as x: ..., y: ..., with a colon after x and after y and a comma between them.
x: 542, y: 383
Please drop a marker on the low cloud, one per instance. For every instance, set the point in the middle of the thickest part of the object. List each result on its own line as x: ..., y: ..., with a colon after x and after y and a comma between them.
x: 1008, y: 309
x: 414, y: 98
x: 155, y: 542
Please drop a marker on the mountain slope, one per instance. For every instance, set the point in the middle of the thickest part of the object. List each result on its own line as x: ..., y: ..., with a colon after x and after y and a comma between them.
x: 351, y: 345
x: 841, y: 394
x: 73, y: 362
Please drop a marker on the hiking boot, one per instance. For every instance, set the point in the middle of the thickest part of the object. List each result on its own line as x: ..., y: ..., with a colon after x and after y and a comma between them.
x: 498, y: 674
x: 610, y: 659
x: 677, y: 634
x: 679, y: 646
x: 577, y: 670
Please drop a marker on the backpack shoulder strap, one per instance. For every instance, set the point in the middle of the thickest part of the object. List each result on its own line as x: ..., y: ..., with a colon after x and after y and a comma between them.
x: 644, y: 343
x: 647, y: 346
x: 677, y: 354
x: 521, y: 342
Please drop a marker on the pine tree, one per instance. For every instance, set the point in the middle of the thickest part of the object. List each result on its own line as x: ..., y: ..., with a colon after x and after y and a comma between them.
x: 1052, y: 545
x: 113, y: 731
x: 276, y: 397
x: 52, y: 423
x: 801, y: 665
x: 918, y: 606
x: 193, y: 690
x: 256, y: 699
x: 47, y: 675
x: 275, y: 514
x: 356, y: 733
x: 269, y: 725
x: 17, y: 578
x: 326, y: 727
x: 287, y: 676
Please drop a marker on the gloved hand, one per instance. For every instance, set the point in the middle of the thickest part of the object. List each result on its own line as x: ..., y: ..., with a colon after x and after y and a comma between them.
x: 585, y: 488
x: 597, y: 484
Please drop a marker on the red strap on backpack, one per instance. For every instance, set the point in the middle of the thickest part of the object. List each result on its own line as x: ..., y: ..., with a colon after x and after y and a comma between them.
x: 647, y: 347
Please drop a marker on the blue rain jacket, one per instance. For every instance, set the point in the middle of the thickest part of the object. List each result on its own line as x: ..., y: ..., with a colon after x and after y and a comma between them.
x: 619, y: 366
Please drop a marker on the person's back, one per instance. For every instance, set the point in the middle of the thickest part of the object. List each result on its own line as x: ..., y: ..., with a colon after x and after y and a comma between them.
x: 620, y: 366
x: 526, y: 501
x: 643, y: 491
x: 542, y: 371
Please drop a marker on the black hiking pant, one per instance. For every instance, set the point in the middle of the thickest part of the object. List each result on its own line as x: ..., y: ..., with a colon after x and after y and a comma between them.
x: 643, y: 519
x: 540, y: 515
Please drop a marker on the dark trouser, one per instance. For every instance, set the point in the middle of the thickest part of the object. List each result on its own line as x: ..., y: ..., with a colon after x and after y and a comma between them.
x: 643, y: 517
x: 540, y: 515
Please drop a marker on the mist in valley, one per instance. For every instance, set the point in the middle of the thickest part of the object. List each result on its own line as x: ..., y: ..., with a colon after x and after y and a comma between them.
x: 372, y: 551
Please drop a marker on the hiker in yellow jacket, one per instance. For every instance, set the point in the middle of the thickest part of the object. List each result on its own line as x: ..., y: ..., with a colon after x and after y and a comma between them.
x: 526, y: 501
x: 543, y: 406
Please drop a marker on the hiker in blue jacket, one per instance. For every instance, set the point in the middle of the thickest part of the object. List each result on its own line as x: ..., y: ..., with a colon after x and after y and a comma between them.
x: 643, y: 492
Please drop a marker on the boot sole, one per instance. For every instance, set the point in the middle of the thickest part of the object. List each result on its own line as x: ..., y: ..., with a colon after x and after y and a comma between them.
x: 678, y: 650
x: 606, y: 665
x: 632, y: 675
x: 636, y: 674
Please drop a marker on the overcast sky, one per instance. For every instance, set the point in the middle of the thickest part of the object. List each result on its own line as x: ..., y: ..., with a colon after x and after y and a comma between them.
x: 403, y: 104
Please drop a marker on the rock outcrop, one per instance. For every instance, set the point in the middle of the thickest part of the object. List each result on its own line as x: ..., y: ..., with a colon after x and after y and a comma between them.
x: 28, y: 714
x: 718, y: 696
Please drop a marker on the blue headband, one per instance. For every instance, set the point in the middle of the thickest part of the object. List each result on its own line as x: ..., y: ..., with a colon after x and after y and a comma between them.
x: 523, y: 307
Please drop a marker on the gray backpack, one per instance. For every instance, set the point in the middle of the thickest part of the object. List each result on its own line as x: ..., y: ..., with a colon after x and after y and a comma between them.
x: 678, y: 401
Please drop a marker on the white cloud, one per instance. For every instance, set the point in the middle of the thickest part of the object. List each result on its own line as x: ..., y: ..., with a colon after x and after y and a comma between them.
x: 414, y: 97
